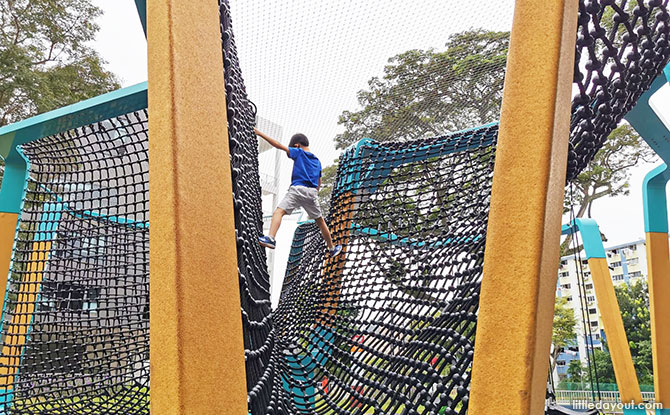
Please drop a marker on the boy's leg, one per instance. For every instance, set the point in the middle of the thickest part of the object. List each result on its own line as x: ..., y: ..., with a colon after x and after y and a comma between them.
x: 325, y: 232
x: 276, y: 221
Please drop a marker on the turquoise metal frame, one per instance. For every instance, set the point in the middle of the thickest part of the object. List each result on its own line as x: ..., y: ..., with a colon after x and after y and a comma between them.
x: 588, y: 228
x: 652, y: 129
x: 381, y: 162
x: 103, y: 107
x: 142, y: 14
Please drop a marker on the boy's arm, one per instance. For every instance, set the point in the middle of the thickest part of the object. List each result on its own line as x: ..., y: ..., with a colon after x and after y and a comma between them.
x: 319, y: 186
x: 274, y: 143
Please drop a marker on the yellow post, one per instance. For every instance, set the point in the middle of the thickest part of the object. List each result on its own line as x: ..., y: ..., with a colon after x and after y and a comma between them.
x: 658, y: 260
x: 624, y: 371
x: 511, y: 360
x: 17, y: 330
x: 197, y: 351
x: 7, y: 232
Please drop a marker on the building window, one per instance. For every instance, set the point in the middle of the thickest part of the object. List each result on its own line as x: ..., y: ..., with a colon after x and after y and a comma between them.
x: 594, y: 324
x: 585, y: 262
x: 592, y: 311
x: 589, y: 286
x: 616, y: 264
x: 587, y: 274
x: 590, y: 298
x: 635, y: 274
x: 565, y: 286
x: 563, y: 274
x: 560, y: 362
x: 633, y: 261
x: 65, y: 296
x: 617, y: 277
x: 564, y: 262
x: 568, y: 299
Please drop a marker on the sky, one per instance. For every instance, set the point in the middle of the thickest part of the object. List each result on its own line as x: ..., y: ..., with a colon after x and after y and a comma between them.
x: 304, y: 62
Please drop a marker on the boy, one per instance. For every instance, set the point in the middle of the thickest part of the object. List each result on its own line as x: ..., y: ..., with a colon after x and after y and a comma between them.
x: 305, y: 185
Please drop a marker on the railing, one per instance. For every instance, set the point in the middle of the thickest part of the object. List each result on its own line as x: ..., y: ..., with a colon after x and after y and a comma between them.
x: 585, y: 397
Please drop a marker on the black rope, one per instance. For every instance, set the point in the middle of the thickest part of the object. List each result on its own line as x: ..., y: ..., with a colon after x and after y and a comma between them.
x: 389, y: 327
x: 583, y: 304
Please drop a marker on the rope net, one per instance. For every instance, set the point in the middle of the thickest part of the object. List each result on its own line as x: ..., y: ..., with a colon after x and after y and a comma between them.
x: 386, y: 327
x: 75, y: 334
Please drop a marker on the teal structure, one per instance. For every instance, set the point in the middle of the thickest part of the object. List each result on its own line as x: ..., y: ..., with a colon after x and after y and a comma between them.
x: 588, y: 229
x: 652, y: 129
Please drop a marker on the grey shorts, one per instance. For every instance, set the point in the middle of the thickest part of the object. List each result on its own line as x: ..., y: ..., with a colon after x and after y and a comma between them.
x: 301, y: 197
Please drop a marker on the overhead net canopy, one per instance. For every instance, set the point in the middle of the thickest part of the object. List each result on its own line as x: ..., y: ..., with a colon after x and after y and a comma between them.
x: 387, y: 326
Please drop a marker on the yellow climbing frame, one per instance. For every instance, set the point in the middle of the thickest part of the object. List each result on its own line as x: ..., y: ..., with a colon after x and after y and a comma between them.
x: 195, y: 370
x: 513, y: 338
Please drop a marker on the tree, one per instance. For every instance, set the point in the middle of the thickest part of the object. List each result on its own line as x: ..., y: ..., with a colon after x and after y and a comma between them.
x: 563, y: 330
x: 602, y: 370
x: 576, y: 371
x: 328, y: 175
x: 45, y: 62
x: 429, y: 93
x: 608, y: 174
x: 634, y: 305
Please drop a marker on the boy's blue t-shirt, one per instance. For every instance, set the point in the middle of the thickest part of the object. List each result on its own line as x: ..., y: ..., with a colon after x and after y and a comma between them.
x: 306, y: 168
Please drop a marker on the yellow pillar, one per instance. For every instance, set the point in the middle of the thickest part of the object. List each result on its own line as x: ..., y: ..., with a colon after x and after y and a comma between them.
x: 658, y: 260
x: 511, y: 360
x: 197, y: 351
x: 7, y: 233
x: 624, y: 371
x: 22, y: 316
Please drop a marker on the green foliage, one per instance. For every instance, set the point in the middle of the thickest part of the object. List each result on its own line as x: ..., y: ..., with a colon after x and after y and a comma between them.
x: 602, y: 369
x: 575, y: 371
x: 563, y: 328
x: 634, y: 305
x: 563, y: 331
x: 328, y: 176
x: 428, y: 93
x: 45, y: 62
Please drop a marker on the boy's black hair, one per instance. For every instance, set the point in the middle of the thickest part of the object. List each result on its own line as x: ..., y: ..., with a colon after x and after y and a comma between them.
x: 299, y: 139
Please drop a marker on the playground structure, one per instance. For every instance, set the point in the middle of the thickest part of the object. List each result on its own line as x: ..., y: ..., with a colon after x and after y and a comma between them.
x: 432, y: 229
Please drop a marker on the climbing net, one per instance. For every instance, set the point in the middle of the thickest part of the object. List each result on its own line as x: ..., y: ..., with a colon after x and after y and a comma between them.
x: 387, y: 326
x: 75, y: 334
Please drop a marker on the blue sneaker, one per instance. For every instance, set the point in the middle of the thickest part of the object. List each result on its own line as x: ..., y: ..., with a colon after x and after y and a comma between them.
x: 337, y: 249
x: 267, y: 241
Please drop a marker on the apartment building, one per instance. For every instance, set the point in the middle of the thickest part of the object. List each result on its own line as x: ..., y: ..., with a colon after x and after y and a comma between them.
x: 627, y: 263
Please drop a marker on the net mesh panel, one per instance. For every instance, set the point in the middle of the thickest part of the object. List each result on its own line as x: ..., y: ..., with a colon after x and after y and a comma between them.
x: 389, y: 325
x: 76, y: 318
x: 621, y: 47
